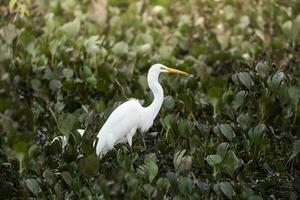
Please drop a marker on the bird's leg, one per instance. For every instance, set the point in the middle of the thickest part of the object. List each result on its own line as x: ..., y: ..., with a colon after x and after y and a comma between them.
x: 129, y: 139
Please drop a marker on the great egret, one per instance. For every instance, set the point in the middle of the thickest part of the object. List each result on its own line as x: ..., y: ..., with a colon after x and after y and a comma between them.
x: 123, y: 122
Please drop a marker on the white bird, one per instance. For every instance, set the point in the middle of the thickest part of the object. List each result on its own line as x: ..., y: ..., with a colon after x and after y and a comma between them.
x: 123, y: 122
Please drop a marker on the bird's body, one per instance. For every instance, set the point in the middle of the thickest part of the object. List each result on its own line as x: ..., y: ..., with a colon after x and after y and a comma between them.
x: 112, y: 134
x: 124, y: 121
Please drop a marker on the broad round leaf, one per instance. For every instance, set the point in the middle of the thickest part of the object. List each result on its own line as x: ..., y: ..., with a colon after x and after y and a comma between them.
x: 120, y: 48
x: 89, y: 165
x: 213, y: 160
x: 227, y: 189
x: 245, y: 79
x: 33, y: 186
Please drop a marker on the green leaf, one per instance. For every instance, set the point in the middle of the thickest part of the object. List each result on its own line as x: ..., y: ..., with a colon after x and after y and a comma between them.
x: 12, y: 4
x: 214, y: 95
x: 71, y: 29
x: 68, y: 73
x: 229, y: 12
x: 230, y: 163
x: 222, y: 149
x: 120, y: 48
x: 296, y: 149
x: 213, y: 160
x: 48, y: 74
x: 255, y: 133
x: 168, y: 103
x: 169, y: 121
x: 6, y: 52
x: 228, y: 96
x: 54, y: 85
x: 70, y: 154
x: 100, y: 106
x: 217, y: 131
x: 255, y: 197
x: 150, y: 168
x: 35, y: 84
x: 227, y: 131
x: 217, y: 189
x: 32, y: 150
x: 295, y: 32
x: 9, y: 33
x: 67, y: 178
x: 33, y: 186
x: 227, y: 189
x: 53, y: 47
x: 177, y: 158
x: 239, y: 99
x: 287, y: 27
x: 185, y: 127
x: 275, y: 81
x: 89, y: 165
x: 148, y: 188
x: 24, y: 10
x: 244, y: 120
x: 20, y: 149
x: 245, y: 79
x: 185, y: 186
x: 165, y: 52
x: 55, y: 146
x: 294, y: 93
x: 66, y: 123
x: 144, y: 49
x: 163, y: 183
x: 49, y: 176
x: 92, y: 80
x: 92, y: 45
x: 263, y: 69
x: 131, y: 180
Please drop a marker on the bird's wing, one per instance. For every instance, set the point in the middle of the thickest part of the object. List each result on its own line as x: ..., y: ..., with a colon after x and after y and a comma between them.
x: 126, y: 114
x: 121, y: 121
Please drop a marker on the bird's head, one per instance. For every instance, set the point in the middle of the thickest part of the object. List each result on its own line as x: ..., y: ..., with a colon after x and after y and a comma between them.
x: 157, y: 68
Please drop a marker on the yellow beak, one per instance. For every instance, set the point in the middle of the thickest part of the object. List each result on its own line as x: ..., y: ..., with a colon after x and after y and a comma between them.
x: 174, y: 71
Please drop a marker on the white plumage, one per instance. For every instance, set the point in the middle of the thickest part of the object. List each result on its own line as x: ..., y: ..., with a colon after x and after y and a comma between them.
x: 124, y: 121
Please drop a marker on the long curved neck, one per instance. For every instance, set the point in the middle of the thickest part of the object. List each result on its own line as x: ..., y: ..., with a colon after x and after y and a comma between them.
x: 158, y: 93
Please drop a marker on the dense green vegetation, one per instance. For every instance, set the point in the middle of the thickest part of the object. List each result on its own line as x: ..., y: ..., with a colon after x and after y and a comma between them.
x: 230, y: 130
